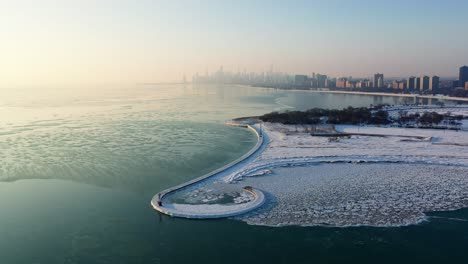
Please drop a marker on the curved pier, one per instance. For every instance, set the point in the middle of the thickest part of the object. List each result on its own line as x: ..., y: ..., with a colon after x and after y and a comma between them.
x: 214, y: 211
x: 159, y: 201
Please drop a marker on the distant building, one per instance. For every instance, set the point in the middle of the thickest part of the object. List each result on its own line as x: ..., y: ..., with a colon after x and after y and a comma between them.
x: 400, y: 85
x: 410, y: 83
x: 341, y: 82
x: 330, y: 83
x: 463, y: 77
x: 423, y: 83
x: 313, y: 83
x: 362, y: 84
x: 378, y: 80
x: 350, y: 84
x: 301, y: 80
x: 466, y: 86
x: 434, y: 83
x: 417, y: 83
x: 321, y: 81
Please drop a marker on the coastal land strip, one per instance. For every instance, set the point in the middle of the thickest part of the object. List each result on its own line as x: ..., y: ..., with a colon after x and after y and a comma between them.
x: 357, y: 175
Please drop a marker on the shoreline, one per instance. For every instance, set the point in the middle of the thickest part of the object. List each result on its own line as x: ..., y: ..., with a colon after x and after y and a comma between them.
x: 316, y: 182
x: 391, y: 94
x: 377, y: 94
x: 288, y: 159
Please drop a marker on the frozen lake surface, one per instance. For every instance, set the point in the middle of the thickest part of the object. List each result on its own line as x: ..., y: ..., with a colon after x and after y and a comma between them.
x: 350, y: 194
x: 381, y: 176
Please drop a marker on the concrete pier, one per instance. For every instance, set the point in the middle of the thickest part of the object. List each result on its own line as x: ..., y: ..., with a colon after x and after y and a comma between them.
x: 162, y: 205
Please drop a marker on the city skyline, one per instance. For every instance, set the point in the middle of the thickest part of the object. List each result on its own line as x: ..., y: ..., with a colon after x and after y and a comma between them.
x: 50, y: 41
x: 369, y: 75
x: 313, y: 74
x: 423, y: 84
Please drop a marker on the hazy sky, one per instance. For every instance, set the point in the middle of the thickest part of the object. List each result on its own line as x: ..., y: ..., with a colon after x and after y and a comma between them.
x: 100, y: 41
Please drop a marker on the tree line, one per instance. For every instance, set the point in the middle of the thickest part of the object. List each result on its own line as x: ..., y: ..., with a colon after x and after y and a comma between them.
x: 350, y: 116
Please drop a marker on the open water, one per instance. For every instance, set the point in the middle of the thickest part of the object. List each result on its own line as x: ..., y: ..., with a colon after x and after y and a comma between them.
x: 78, y: 167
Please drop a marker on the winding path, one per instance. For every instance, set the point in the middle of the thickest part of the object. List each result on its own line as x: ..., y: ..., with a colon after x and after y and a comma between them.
x: 160, y: 200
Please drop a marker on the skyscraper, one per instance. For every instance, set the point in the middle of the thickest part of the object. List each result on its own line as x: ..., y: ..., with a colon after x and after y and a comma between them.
x: 378, y: 80
x: 423, y: 83
x: 417, y: 83
x: 341, y: 82
x: 463, y: 77
x: 321, y: 80
x: 362, y: 84
x: 410, y: 83
x: 301, y: 80
x: 434, y: 83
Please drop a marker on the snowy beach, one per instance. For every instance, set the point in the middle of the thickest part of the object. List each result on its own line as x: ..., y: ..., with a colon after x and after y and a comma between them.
x: 390, y: 177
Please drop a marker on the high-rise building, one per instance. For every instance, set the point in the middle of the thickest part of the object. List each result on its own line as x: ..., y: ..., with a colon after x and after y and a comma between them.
x: 417, y: 83
x: 402, y: 85
x: 350, y: 84
x: 434, y: 83
x: 410, y: 83
x: 378, y: 80
x: 331, y: 83
x: 463, y: 77
x: 301, y: 80
x: 321, y: 80
x: 466, y: 86
x: 362, y: 84
x: 313, y: 83
x: 423, y: 83
x: 341, y: 83
x: 380, y: 83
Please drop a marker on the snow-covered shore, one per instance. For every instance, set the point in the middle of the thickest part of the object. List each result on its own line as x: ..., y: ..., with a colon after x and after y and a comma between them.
x: 388, y: 178
x: 363, y: 175
x: 288, y: 148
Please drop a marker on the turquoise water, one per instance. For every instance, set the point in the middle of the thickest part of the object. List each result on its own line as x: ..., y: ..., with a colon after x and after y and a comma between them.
x: 78, y: 168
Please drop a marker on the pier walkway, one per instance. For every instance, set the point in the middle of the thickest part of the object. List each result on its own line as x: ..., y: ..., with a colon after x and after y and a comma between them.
x: 161, y: 203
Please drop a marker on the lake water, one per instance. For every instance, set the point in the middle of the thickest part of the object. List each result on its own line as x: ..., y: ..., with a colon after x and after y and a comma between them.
x: 78, y: 167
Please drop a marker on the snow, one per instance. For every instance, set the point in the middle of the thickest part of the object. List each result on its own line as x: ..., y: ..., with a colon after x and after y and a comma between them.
x: 249, y: 200
x: 458, y: 110
x: 377, y: 176
x: 359, y: 194
x: 385, y: 176
x: 288, y: 148
x: 200, y: 209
